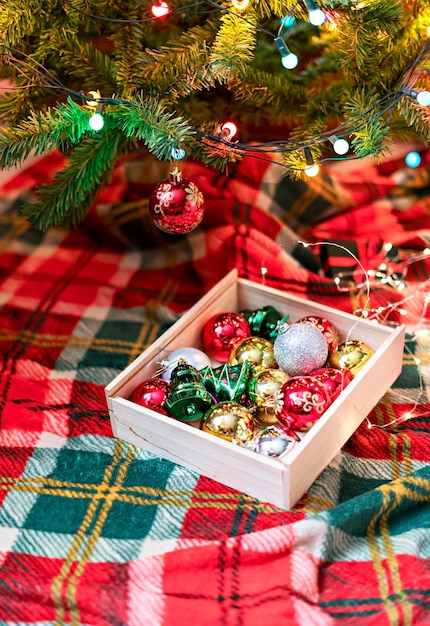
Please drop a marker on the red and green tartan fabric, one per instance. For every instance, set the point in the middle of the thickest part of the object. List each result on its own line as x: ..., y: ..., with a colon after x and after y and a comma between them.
x: 94, y: 531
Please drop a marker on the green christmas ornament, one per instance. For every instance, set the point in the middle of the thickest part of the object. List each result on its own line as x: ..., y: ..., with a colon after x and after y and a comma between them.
x: 227, y: 382
x: 188, y: 399
x: 262, y: 322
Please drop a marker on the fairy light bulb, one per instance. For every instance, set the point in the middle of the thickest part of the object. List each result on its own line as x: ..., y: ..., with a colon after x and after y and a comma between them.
x: 423, y: 98
x: 96, y: 121
x: 177, y: 153
x: 340, y: 145
x: 228, y: 130
x: 288, y: 59
x: 413, y: 159
x: 316, y: 16
x: 240, y: 4
x: 311, y: 169
x: 287, y: 21
x: 161, y: 9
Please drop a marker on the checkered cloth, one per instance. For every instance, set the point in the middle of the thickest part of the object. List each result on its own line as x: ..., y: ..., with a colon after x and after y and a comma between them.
x: 94, y: 531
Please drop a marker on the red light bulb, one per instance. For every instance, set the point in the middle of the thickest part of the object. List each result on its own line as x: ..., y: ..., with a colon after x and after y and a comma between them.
x: 161, y: 9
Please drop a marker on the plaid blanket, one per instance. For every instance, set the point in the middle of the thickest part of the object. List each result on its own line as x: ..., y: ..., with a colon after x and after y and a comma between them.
x: 94, y: 531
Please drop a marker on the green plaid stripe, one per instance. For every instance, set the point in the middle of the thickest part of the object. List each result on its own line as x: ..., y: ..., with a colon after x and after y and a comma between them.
x: 92, y: 497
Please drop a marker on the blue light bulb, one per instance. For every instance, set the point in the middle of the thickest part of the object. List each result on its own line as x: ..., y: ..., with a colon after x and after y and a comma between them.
x: 288, y: 20
x: 178, y: 153
x: 413, y: 159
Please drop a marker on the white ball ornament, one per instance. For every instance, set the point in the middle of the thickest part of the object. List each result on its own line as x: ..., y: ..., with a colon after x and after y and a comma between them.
x: 300, y: 348
x: 193, y: 356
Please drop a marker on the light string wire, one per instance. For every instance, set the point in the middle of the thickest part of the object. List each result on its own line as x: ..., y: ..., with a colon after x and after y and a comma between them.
x: 411, y: 413
x: 355, y: 124
x: 254, y: 150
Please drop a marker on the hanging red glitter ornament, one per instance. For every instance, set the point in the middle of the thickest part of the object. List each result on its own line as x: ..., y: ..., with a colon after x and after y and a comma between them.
x: 176, y: 205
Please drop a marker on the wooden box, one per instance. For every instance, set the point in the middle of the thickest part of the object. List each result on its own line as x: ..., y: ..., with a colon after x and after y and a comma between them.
x: 279, y: 482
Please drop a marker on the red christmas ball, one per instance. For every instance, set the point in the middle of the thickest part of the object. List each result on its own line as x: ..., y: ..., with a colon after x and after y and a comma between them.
x: 300, y: 402
x: 151, y: 394
x: 222, y: 333
x: 327, y: 328
x: 334, y: 380
x: 176, y: 205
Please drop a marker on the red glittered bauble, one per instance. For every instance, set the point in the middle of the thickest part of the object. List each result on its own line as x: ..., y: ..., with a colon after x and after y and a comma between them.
x: 222, y: 333
x: 300, y: 402
x: 334, y: 380
x: 152, y: 394
x: 176, y: 205
x: 327, y: 328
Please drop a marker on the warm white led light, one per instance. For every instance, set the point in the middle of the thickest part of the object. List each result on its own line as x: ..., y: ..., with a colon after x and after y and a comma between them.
x: 96, y: 121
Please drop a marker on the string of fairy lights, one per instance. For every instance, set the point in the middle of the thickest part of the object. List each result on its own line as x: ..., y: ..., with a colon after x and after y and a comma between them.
x: 385, y: 276
x: 225, y: 136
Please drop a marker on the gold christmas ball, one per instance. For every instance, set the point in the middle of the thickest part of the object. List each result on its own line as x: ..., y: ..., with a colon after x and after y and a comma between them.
x: 257, y: 351
x: 352, y: 355
x: 262, y: 388
x: 230, y: 421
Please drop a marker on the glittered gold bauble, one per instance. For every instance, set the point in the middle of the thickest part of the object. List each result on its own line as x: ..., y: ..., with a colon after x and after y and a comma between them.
x: 262, y: 389
x: 352, y: 355
x: 230, y: 421
x: 257, y: 350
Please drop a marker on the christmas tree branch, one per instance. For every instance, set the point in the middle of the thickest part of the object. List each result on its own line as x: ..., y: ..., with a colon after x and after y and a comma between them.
x: 42, y: 132
x: 68, y: 198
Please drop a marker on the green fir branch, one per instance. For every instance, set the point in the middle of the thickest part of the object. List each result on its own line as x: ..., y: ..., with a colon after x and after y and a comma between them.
x: 234, y: 44
x: 66, y: 200
x: 128, y: 49
x: 180, y: 67
x: 149, y: 121
x: 42, y: 132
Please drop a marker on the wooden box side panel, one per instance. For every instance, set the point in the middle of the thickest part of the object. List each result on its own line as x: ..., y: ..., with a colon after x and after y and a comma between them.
x: 241, y: 469
x: 335, y: 427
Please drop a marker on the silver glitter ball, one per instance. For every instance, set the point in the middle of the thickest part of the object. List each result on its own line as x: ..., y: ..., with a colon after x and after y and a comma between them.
x: 300, y: 349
